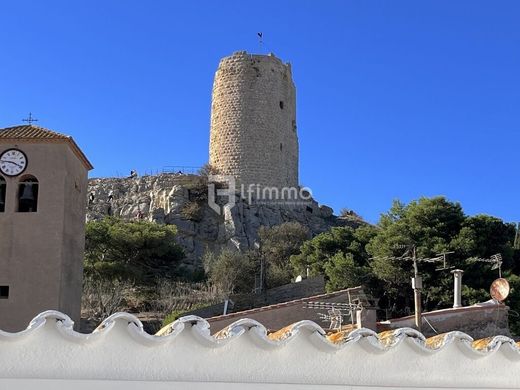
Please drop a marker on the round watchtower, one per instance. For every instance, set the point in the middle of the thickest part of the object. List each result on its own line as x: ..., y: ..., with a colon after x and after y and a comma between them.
x: 253, y: 121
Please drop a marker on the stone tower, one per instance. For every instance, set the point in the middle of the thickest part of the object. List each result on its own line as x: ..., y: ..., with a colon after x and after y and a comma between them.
x: 253, y: 121
x: 43, y: 190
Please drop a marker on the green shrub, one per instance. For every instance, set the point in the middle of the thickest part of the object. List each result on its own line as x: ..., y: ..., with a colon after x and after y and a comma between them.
x: 192, y: 211
x: 131, y: 250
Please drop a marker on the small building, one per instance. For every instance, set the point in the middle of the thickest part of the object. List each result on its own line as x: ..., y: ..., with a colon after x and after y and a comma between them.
x: 43, y: 191
x: 315, y: 308
x: 485, y: 319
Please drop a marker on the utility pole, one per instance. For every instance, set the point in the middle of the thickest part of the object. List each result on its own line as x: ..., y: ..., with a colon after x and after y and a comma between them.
x: 516, y: 245
x: 417, y: 287
x: 263, y: 269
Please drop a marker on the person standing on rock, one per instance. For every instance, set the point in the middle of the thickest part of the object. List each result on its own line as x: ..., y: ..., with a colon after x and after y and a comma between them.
x: 110, y: 195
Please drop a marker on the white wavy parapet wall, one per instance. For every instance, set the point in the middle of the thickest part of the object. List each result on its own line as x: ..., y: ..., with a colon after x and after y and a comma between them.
x: 120, y: 355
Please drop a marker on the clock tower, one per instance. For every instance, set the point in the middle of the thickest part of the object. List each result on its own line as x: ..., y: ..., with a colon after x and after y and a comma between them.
x: 43, y: 186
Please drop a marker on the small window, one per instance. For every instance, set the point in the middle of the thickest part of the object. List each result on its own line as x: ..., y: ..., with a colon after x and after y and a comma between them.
x: 281, y: 147
x: 4, y: 292
x: 3, y: 190
x: 28, y: 195
x: 281, y: 104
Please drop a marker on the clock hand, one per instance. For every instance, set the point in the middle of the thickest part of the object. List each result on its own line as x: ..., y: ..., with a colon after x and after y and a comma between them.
x: 11, y: 162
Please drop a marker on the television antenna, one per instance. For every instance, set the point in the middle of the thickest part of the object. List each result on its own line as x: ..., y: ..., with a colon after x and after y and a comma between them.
x: 496, y: 260
x: 410, y: 255
x: 443, y: 257
x: 336, y: 312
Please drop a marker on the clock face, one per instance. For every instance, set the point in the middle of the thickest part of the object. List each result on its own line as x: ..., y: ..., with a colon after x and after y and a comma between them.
x: 13, y: 162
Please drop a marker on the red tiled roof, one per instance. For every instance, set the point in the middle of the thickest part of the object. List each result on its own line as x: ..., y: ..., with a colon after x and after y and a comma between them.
x: 32, y: 132
x: 283, y: 304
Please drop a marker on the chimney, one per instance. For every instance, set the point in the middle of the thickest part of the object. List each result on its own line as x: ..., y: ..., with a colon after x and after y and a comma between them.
x: 359, y: 321
x: 457, y: 287
x: 366, y: 318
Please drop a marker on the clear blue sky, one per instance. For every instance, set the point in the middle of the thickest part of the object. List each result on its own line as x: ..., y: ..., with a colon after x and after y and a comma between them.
x: 395, y: 99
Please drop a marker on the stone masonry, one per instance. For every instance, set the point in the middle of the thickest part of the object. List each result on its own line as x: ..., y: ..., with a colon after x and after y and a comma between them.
x: 253, y: 121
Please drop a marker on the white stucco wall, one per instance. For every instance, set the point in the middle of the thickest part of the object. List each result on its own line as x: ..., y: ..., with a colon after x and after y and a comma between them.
x: 50, y: 354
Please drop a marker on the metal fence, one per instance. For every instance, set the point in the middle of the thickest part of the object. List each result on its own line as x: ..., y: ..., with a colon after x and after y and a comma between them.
x: 181, y: 169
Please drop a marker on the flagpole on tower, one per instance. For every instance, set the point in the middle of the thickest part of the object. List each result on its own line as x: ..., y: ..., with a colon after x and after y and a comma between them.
x: 260, y: 40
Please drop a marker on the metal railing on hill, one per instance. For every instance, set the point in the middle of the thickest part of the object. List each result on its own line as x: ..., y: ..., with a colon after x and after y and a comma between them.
x: 181, y: 169
x: 169, y: 169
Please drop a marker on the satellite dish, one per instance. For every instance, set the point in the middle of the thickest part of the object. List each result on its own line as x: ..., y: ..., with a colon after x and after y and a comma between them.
x: 299, y: 278
x: 499, y: 289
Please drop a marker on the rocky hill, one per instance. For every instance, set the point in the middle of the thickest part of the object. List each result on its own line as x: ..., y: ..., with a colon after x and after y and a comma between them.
x: 181, y: 200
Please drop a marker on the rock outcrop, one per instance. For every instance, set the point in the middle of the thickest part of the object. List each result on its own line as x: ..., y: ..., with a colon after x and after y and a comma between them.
x: 181, y: 200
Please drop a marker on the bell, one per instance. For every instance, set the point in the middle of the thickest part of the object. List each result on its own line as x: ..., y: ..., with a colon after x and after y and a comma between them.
x: 27, y: 193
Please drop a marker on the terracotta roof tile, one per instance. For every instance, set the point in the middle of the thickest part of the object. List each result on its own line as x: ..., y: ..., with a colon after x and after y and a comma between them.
x: 383, y: 341
x: 281, y: 334
x: 342, y: 336
x: 32, y: 132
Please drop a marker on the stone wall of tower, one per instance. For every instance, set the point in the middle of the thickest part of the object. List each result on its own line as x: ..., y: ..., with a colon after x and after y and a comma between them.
x: 253, y: 121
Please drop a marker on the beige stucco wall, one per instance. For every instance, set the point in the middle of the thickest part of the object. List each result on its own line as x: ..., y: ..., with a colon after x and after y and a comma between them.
x: 41, y: 253
x: 252, y: 138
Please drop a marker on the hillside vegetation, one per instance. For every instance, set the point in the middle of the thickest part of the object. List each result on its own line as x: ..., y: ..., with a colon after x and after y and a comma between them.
x: 144, y: 260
